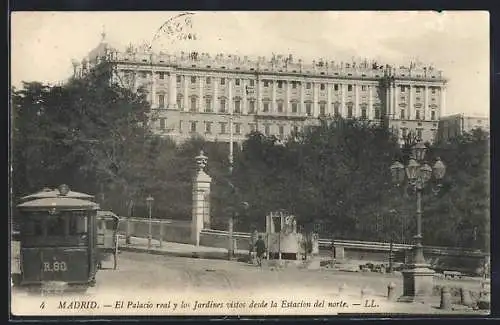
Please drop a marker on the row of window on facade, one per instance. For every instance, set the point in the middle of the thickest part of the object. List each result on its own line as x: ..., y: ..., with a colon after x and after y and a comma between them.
x: 280, y: 83
x: 224, y: 127
x: 294, y: 108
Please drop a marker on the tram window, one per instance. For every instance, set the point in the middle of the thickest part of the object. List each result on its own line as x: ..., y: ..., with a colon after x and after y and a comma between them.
x: 56, y: 226
x: 110, y: 224
x: 77, y: 225
x: 33, y: 227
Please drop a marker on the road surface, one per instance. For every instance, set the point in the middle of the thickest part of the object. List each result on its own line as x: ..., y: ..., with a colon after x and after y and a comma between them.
x: 140, y: 274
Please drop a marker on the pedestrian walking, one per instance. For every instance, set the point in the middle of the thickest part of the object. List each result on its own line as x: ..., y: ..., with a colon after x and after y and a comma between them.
x: 260, y: 248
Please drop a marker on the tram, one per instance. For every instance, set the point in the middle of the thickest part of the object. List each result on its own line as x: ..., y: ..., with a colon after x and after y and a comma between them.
x: 58, y: 239
x: 107, y: 237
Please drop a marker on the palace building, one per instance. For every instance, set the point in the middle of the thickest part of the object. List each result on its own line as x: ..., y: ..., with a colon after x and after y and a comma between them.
x: 199, y: 93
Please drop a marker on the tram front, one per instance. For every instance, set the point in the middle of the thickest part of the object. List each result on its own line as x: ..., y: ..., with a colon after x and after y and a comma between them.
x: 58, y: 240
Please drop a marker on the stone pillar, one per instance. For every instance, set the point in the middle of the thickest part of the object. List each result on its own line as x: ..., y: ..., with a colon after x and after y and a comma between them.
x: 357, y: 110
x: 200, y: 94
x: 172, y: 91
x: 153, y: 88
x: 185, y: 92
x: 244, y: 104
x: 215, y: 98
x: 343, y: 108
x: 273, y: 97
x: 410, y: 102
x: 329, y: 109
x: 301, y: 108
x: 287, y: 105
x: 371, y: 113
x: 426, y: 102
x: 442, y: 109
x: 201, y: 194
x: 315, y: 109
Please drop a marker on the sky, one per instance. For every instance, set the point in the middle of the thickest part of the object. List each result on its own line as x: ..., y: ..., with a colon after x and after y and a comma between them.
x: 44, y: 43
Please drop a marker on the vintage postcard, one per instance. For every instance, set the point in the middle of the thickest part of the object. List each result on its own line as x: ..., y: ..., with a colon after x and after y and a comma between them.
x: 250, y: 163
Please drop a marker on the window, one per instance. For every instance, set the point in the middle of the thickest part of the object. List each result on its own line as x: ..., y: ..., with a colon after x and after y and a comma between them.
x: 433, y: 91
x: 237, y: 128
x: 417, y: 89
x: 308, y: 109
x: 222, y: 81
x: 417, y: 115
x: 179, y: 102
x: 433, y: 115
x: 253, y: 127
x: 336, y: 108
x: 308, y: 85
x: 280, y: 107
x: 193, y: 126
x: 266, y: 83
x: 402, y: 88
x: 208, y: 127
x: 294, y: 107
x: 208, y: 80
x: 280, y: 84
x: 237, y: 82
x: 144, y: 74
x: 193, y: 79
x: 222, y: 105
x: 163, y: 123
x: 363, y: 113
x: 266, y: 107
x: 377, y: 113
x: 251, y: 106
x: 193, y: 104
x: 349, y: 110
x: 294, y: 84
x: 161, y: 75
x: 322, y: 86
x: 403, y: 98
x: 336, y: 87
x: 349, y: 87
x: 419, y: 134
x: 56, y: 225
x: 402, y: 114
x: 223, y: 127
x: 237, y: 105
x: 252, y: 82
x: 161, y: 101
x: 281, y: 130
x: 267, y: 130
x: 417, y: 99
x: 322, y: 109
x: 404, y: 132
x: 178, y: 78
x: 208, y: 105
x: 363, y: 88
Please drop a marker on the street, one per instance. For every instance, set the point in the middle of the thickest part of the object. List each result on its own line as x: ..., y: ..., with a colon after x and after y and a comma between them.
x: 143, y: 276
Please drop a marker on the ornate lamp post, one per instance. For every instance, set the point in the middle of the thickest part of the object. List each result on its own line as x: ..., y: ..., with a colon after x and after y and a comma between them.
x: 417, y: 279
x: 149, y: 201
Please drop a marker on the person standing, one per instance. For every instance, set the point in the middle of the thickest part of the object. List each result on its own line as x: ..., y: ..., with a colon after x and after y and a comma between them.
x: 260, y: 248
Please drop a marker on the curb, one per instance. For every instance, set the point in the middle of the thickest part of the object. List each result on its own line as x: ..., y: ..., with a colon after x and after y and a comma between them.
x: 199, y: 255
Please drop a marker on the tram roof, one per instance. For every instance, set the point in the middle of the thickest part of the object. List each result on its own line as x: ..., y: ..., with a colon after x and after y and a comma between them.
x: 56, y: 193
x: 59, y: 203
x: 110, y: 214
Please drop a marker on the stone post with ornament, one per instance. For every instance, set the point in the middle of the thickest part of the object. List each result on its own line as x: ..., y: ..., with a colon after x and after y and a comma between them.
x: 201, y: 199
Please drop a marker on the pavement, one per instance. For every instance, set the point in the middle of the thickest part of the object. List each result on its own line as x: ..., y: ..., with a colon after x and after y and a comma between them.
x: 161, y: 278
x: 138, y: 244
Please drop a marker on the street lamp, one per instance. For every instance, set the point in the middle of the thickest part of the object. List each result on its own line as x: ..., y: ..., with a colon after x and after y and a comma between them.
x: 149, y: 201
x: 417, y: 279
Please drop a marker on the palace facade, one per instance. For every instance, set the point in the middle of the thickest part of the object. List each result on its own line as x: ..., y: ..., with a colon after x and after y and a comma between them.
x: 199, y: 93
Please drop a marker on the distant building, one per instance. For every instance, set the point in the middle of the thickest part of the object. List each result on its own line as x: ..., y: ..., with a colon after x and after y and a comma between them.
x: 195, y: 93
x: 455, y: 125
